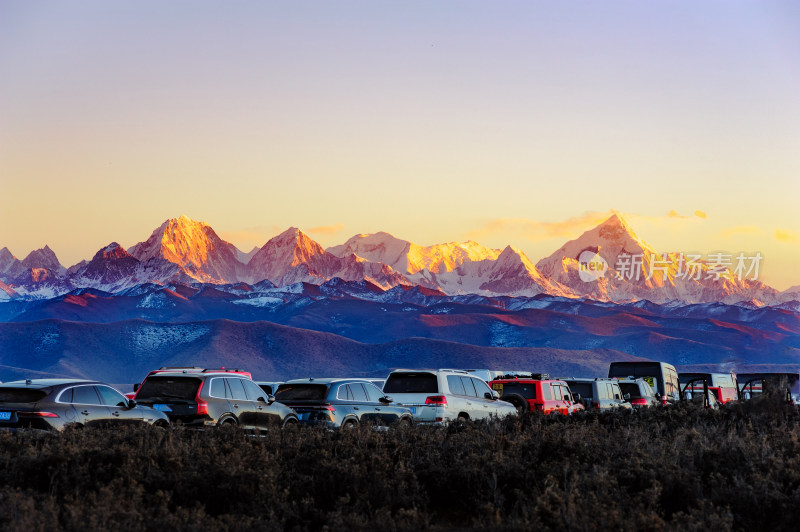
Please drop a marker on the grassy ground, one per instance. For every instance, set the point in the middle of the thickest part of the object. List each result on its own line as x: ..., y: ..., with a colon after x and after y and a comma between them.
x: 677, y: 468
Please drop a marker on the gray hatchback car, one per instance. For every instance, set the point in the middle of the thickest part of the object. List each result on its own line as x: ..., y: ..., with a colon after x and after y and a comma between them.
x: 341, y: 403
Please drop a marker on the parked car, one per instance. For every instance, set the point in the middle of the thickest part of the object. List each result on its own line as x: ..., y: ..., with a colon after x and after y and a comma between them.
x: 662, y: 377
x: 640, y: 392
x: 599, y: 394
x: 208, y: 397
x: 336, y: 403
x: 445, y: 395
x: 53, y: 404
x: 723, y: 385
x: 536, y: 392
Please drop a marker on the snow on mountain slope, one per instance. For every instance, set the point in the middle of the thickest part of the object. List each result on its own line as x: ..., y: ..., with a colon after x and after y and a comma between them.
x: 511, y: 273
x: 409, y: 258
x: 293, y: 257
x: 636, y: 271
x: 195, y: 248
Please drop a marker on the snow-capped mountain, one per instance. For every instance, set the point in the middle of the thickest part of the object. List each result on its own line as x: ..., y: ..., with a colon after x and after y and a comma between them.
x: 409, y: 258
x: 634, y: 270
x: 594, y: 266
x: 195, y: 248
x: 293, y: 257
x: 510, y: 273
x: 113, y: 269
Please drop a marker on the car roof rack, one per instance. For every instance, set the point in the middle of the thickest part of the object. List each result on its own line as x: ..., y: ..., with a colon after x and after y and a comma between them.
x: 529, y: 376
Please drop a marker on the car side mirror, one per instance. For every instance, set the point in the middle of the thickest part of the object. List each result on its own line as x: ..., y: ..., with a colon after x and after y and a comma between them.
x: 495, y: 394
x: 131, y: 403
x: 626, y: 397
x: 385, y: 399
x: 577, y: 398
x: 270, y: 399
x: 136, y: 387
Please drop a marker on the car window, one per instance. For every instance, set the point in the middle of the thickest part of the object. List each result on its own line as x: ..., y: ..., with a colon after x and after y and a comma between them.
x: 27, y: 395
x: 267, y: 388
x: 557, y: 393
x: 481, y: 387
x: 343, y: 393
x: 546, y: 393
x: 358, y: 392
x: 237, y: 391
x: 455, y: 385
x: 526, y: 390
x: 111, y: 397
x: 254, y: 393
x: 301, y: 392
x: 65, y: 397
x: 565, y: 394
x: 373, y: 393
x: 85, y: 395
x: 168, y: 388
x: 631, y: 388
x: 469, y: 389
x: 582, y: 388
x: 217, y: 388
x: 411, y: 383
x: 616, y: 391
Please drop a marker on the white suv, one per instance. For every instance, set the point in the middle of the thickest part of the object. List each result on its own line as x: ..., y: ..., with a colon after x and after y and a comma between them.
x: 444, y: 395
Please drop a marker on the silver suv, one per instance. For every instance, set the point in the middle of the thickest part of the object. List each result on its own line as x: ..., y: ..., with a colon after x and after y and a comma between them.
x: 445, y: 395
x: 599, y: 394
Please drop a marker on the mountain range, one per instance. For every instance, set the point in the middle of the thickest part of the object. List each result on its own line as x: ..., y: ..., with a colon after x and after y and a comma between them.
x: 186, y: 252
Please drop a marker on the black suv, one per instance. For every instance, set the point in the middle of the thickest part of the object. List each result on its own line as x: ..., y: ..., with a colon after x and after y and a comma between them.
x: 53, y: 404
x: 209, y: 397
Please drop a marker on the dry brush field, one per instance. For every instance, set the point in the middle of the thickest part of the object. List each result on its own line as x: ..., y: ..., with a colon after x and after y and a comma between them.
x: 677, y: 468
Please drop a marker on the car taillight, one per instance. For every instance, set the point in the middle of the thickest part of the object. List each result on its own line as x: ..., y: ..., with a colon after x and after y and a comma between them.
x: 596, y: 406
x: 436, y: 400
x: 639, y: 402
x: 202, y: 404
x: 37, y: 414
x: 329, y: 408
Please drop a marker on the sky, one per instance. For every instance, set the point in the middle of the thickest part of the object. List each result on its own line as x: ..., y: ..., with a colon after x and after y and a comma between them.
x: 522, y: 123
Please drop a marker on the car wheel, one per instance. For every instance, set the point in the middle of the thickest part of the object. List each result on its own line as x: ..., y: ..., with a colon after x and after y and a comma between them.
x: 161, y: 424
x: 228, y: 421
x: 350, y: 424
x: 290, y: 423
x: 518, y: 401
x: 462, y: 419
x: 404, y: 422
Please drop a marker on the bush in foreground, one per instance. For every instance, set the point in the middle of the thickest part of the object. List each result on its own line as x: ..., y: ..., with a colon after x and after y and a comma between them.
x: 666, y: 468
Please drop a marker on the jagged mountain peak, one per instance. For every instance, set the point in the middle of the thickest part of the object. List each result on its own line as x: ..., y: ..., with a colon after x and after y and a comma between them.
x: 113, y: 251
x: 43, y: 258
x: 194, y: 247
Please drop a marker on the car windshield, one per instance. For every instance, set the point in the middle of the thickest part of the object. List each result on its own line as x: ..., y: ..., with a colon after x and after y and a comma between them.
x: 181, y: 388
x: 21, y: 395
x: 411, y: 383
x: 301, y: 392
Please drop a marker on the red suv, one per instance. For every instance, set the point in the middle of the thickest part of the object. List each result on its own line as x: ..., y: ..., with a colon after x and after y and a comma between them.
x: 536, y: 393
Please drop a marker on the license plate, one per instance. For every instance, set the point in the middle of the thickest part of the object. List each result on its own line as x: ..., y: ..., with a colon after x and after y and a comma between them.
x: 302, y: 416
x: 163, y: 408
x: 413, y: 410
x: 5, y: 416
x: 498, y: 386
